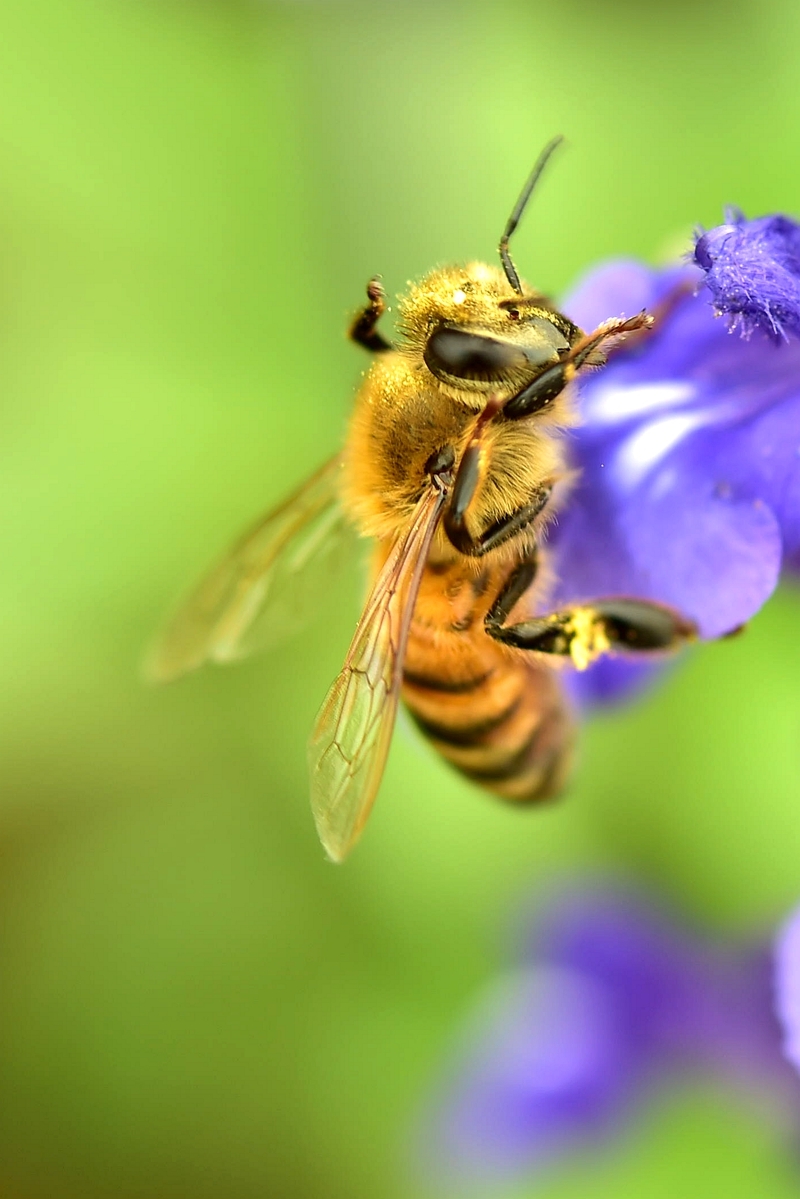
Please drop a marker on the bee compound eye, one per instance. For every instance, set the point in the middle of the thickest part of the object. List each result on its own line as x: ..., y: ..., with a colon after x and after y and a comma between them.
x: 457, y: 353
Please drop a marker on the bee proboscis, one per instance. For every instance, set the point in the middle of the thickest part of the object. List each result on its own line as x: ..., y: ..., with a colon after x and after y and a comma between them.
x: 454, y: 461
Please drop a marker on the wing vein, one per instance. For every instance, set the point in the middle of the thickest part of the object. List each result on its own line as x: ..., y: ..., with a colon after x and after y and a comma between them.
x: 352, y: 734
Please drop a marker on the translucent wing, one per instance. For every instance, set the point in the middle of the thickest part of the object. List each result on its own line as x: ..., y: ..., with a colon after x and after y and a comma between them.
x: 350, y: 741
x: 262, y: 589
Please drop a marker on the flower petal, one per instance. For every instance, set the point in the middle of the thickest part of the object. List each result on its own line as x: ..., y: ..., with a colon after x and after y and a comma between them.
x: 622, y: 288
x: 787, y: 985
x: 618, y: 937
x: 546, y: 1065
x: 716, y: 560
x: 611, y: 680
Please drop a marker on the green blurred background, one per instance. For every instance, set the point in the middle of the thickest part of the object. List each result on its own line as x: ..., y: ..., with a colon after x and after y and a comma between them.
x: 192, y: 196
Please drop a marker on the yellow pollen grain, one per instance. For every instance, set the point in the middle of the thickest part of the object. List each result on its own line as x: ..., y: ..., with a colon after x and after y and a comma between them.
x: 459, y: 296
x: 588, y: 638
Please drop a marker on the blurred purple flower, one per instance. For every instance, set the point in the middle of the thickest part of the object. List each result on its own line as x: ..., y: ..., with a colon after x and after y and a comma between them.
x: 787, y: 985
x: 689, y: 450
x: 612, y: 1000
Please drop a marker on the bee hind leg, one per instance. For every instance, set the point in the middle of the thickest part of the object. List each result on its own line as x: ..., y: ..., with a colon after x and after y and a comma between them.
x: 587, y: 632
x: 363, y: 330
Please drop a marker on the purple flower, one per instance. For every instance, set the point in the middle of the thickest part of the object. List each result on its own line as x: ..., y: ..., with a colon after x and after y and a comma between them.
x: 689, y: 450
x: 611, y: 1000
x: 787, y: 985
x: 753, y: 271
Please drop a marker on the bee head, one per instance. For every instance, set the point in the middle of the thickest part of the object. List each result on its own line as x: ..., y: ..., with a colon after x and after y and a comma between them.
x: 475, y: 333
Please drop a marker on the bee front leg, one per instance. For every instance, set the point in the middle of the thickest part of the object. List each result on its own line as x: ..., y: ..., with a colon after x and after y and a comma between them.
x: 660, y: 312
x: 546, y: 387
x: 587, y: 632
x: 363, y: 330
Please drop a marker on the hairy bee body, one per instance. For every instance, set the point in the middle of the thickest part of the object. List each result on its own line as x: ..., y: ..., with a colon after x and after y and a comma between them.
x: 492, y: 711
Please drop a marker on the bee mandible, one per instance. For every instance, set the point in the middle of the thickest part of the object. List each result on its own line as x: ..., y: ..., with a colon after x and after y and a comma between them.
x: 454, y: 462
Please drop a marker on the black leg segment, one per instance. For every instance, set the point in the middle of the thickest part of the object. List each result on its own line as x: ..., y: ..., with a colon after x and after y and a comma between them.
x: 497, y: 534
x: 471, y: 470
x: 363, y: 330
x: 541, y: 392
x: 585, y: 633
x: 642, y: 626
x: 551, y: 382
x: 515, y: 586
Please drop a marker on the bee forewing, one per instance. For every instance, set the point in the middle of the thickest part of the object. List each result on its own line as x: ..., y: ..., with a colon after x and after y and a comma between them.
x: 263, y: 588
x: 352, y: 734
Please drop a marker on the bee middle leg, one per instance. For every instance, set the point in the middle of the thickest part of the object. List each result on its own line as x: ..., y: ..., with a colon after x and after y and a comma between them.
x: 363, y: 330
x: 515, y: 586
x: 497, y: 534
x: 468, y: 478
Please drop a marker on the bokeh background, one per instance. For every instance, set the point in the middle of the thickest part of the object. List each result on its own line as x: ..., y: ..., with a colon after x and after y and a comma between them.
x: 192, y: 196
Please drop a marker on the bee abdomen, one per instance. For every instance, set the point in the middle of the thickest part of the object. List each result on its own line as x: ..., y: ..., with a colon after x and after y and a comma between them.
x: 521, y: 753
x: 540, y: 766
x: 468, y: 734
x: 498, y: 718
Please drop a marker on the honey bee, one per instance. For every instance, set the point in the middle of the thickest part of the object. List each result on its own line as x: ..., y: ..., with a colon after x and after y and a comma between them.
x: 454, y: 462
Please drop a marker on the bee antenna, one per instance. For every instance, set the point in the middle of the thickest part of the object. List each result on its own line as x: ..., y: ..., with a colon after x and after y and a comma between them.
x: 519, y: 208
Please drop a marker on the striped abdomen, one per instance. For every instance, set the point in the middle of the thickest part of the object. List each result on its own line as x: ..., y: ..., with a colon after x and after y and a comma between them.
x: 494, y: 713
